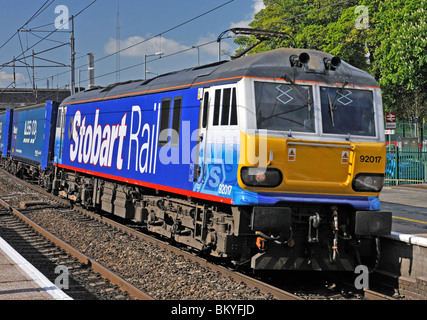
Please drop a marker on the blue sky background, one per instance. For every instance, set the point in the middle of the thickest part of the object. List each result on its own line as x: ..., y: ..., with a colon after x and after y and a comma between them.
x: 96, y: 31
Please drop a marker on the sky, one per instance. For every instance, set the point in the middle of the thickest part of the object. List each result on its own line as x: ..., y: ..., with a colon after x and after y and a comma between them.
x: 184, y: 31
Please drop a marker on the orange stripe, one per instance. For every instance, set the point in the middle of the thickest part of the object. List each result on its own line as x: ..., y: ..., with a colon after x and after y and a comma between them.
x: 149, y: 91
x: 204, y: 82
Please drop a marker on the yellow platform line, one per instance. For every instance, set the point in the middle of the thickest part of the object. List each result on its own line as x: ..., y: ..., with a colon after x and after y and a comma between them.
x: 412, y: 220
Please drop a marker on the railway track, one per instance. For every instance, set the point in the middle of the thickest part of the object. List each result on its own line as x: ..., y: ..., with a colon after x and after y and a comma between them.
x: 83, y: 278
x: 69, y: 271
x: 138, y: 260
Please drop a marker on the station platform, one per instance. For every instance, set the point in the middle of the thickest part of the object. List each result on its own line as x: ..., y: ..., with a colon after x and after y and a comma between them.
x: 404, y: 252
x: 408, y: 204
x: 19, y: 280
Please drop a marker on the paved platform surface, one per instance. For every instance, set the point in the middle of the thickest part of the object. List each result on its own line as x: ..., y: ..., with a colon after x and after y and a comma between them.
x: 409, y: 208
x: 19, y: 280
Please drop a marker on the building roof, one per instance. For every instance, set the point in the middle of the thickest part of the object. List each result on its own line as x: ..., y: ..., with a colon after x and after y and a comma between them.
x: 17, y: 97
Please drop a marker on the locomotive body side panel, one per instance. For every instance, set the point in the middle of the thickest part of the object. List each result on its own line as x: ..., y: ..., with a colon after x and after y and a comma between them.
x: 135, y: 140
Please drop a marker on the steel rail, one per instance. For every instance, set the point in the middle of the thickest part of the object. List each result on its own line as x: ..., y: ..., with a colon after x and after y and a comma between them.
x: 277, y: 293
x: 114, y: 278
x: 372, y: 295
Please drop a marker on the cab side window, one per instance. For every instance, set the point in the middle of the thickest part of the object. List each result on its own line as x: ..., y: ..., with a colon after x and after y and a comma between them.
x: 225, y: 107
x: 170, y: 121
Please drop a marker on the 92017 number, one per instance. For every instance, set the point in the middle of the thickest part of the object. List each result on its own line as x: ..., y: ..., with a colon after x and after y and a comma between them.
x: 370, y: 159
x: 224, y: 189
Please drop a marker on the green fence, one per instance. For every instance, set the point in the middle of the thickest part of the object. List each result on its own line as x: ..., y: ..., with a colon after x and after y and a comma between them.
x: 406, y: 161
x: 407, y: 129
x: 405, y: 166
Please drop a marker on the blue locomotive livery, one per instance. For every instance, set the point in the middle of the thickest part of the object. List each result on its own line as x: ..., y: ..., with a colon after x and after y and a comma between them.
x: 122, y: 139
x: 272, y: 161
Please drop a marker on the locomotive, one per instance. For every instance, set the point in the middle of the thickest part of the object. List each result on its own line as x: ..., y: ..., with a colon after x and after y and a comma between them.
x: 273, y: 161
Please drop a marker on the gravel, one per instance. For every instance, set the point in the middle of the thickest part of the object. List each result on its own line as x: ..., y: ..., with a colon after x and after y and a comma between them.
x: 160, y: 273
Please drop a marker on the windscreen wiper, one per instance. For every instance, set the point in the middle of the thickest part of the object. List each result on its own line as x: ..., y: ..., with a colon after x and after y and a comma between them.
x: 331, y: 110
x: 332, y: 105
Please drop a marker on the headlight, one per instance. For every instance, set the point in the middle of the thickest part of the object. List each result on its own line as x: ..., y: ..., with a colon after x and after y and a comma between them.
x: 261, y: 177
x: 368, y: 182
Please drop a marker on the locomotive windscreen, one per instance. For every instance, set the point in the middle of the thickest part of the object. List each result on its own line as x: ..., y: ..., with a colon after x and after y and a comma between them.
x: 284, y: 107
x: 347, y: 111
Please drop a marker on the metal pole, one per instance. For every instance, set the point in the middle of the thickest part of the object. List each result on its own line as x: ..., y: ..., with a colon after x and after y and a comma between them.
x: 34, y: 84
x: 145, y: 61
x: 91, y: 69
x: 198, y: 56
x: 73, y: 60
x: 14, y: 74
x: 118, y: 44
x: 397, y: 165
x: 145, y: 67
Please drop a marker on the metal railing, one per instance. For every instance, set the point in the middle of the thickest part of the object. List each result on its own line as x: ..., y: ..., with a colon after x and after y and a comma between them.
x: 406, y: 161
x: 405, y: 166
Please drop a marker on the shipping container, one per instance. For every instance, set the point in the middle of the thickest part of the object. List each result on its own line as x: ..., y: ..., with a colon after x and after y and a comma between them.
x: 33, y: 134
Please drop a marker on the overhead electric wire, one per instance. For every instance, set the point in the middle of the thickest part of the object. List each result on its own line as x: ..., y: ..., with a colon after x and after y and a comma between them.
x: 153, y: 37
x: 47, y: 4
x: 173, y: 28
x: 138, y: 64
x: 25, y: 61
x: 167, y: 31
x: 163, y: 57
x: 56, y: 29
x: 38, y: 12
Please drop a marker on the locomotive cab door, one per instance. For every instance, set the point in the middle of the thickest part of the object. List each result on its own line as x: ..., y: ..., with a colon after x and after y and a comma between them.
x: 59, y: 134
x: 199, y: 171
x: 219, y: 134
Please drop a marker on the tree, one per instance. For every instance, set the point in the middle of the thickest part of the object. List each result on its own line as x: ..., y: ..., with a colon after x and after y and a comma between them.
x: 326, y: 25
x: 401, y: 58
x: 392, y: 47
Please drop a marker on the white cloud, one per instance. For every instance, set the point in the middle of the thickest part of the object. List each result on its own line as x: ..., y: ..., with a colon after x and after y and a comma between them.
x: 212, y: 49
x: 257, y: 6
x: 139, y: 46
x: 6, y: 79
